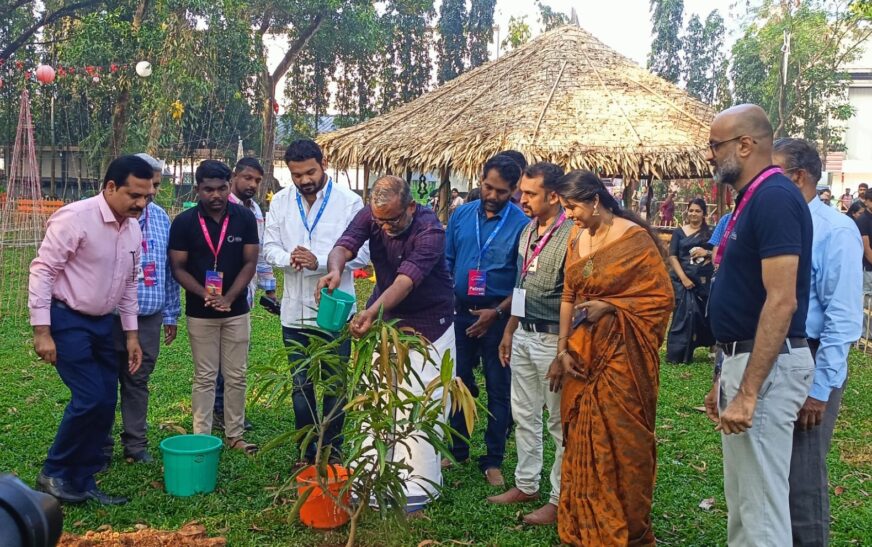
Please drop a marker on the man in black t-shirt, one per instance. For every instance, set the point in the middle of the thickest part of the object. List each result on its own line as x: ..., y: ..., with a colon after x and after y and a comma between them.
x: 757, y: 308
x: 213, y: 251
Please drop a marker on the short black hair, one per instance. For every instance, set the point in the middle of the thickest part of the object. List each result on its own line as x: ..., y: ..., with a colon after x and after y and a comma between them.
x: 302, y: 150
x: 250, y: 163
x: 550, y: 173
x: 212, y: 169
x: 508, y: 169
x: 517, y: 156
x: 800, y: 154
x: 124, y: 166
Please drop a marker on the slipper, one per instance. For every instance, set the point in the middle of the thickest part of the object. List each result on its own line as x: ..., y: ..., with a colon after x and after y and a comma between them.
x: 239, y: 444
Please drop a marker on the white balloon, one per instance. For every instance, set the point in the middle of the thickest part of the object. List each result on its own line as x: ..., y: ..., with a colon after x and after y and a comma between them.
x: 143, y: 68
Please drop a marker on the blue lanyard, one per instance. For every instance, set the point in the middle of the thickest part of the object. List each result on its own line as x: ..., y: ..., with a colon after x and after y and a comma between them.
x: 143, y: 227
x: 482, y: 250
x: 320, y: 211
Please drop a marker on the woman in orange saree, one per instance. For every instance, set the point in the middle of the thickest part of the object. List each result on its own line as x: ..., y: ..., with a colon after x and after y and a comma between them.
x: 616, y: 305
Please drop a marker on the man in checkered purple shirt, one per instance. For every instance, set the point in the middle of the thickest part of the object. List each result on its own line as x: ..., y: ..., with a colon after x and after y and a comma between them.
x: 159, y: 304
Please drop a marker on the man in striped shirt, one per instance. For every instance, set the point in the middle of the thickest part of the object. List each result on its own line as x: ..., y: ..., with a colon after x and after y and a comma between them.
x: 159, y: 299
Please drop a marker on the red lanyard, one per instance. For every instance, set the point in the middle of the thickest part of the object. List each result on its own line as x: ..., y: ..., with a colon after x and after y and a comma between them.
x: 722, y: 246
x: 541, y: 244
x: 144, y: 228
x: 209, y: 238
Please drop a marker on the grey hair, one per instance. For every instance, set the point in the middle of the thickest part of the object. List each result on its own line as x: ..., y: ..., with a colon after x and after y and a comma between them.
x: 155, y: 164
x: 800, y: 154
x: 388, y: 188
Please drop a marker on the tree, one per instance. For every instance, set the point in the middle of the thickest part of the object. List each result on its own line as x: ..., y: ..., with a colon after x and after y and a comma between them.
x: 18, y: 9
x: 804, y: 91
x: 405, y: 64
x: 665, y: 56
x: 716, y: 90
x: 518, y: 33
x: 696, y: 62
x: 452, y: 40
x: 550, y: 19
x: 480, y: 30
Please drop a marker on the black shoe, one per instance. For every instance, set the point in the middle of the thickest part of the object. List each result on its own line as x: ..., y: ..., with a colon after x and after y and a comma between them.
x: 139, y: 457
x: 103, y: 498
x: 59, y: 488
x: 247, y: 426
x: 218, y: 420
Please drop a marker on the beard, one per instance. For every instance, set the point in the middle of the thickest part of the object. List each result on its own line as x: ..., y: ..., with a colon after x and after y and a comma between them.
x: 728, y: 171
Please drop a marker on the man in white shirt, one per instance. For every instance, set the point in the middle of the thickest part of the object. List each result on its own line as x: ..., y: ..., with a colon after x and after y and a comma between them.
x: 303, y: 223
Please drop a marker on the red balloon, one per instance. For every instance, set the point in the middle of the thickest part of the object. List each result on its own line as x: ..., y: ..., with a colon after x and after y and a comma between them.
x: 45, y: 74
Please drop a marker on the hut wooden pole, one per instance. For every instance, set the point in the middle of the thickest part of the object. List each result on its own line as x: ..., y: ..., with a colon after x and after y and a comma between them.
x: 365, y: 183
x: 445, y: 193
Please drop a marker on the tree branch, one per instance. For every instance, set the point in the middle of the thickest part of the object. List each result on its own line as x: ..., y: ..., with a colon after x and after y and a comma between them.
x: 45, y: 20
x: 296, y: 48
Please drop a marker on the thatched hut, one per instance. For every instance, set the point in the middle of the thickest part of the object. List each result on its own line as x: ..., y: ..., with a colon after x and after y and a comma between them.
x: 564, y: 97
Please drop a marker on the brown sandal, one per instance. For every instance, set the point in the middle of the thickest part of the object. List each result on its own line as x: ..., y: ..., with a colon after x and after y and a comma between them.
x: 239, y: 444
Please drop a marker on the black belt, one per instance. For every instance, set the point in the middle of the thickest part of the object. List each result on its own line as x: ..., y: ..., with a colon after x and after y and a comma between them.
x: 541, y: 326
x: 465, y: 306
x: 745, y: 346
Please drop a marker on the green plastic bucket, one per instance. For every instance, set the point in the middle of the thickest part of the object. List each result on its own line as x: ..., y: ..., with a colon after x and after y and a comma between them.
x: 190, y: 464
x: 334, y: 309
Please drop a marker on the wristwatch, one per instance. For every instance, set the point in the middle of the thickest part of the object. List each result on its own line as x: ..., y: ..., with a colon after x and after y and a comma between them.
x: 500, y: 312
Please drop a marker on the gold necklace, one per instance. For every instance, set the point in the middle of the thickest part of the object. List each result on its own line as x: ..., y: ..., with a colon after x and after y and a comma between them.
x: 588, y: 266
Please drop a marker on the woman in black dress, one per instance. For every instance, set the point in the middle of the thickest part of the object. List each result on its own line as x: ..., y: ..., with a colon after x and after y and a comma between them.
x: 692, y: 269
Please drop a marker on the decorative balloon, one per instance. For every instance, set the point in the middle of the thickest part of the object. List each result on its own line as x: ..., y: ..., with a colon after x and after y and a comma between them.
x: 143, y: 68
x: 45, y: 74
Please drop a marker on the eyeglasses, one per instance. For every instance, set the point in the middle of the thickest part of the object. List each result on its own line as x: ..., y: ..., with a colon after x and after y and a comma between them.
x: 389, y: 221
x: 713, y: 146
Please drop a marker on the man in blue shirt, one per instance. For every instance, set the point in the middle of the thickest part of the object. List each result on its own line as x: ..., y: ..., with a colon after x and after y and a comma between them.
x: 481, y: 249
x: 834, y: 322
x: 159, y: 304
x: 758, y: 306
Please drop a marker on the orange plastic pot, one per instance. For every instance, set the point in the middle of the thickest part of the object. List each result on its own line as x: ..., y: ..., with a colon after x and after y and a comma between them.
x: 320, y: 510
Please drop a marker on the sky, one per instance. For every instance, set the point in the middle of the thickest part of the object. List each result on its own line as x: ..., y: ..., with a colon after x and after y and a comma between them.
x: 623, y: 25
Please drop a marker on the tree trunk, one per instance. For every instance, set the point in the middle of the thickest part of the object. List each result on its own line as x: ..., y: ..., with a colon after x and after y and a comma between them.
x: 269, y: 81
x: 118, y: 136
x: 268, y: 139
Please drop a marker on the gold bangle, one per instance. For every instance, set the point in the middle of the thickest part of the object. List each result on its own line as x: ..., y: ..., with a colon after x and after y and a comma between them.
x: 561, y: 353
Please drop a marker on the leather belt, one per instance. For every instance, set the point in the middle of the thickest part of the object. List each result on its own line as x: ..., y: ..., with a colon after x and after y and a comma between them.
x: 541, y: 326
x: 745, y: 346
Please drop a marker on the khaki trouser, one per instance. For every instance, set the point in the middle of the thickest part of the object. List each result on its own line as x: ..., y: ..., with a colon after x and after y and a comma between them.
x: 532, y: 354
x: 757, y: 462
x: 219, y: 344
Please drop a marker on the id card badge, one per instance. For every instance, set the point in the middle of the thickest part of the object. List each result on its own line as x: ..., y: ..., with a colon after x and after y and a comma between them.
x: 149, y: 274
x: 519, y: 302
x: 214, y: 282
x: 477, y: 283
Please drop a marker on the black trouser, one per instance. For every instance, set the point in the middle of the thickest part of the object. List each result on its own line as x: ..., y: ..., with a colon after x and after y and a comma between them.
x: 134, y: 387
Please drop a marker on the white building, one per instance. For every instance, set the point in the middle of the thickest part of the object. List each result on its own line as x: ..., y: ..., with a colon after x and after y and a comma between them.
x: 854, y: 166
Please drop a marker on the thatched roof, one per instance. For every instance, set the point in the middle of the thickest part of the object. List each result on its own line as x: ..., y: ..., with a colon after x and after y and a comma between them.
x: 564, y: 97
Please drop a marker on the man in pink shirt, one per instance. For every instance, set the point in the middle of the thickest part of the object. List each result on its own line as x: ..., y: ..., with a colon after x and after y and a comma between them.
x: 85, y: 269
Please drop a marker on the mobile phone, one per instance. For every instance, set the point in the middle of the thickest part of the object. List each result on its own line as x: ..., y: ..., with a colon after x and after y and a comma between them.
x: 579, y: 318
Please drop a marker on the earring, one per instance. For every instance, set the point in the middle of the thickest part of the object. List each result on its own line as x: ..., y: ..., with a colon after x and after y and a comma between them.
x: 596, y: 210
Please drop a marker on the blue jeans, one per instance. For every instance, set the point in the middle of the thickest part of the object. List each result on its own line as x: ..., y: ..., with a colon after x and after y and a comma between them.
x: 498, y: 382
x: 88, y: 365
x: 305, y: 403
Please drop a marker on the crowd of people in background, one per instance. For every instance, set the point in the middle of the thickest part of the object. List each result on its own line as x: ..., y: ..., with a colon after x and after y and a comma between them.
x: 562, y: 296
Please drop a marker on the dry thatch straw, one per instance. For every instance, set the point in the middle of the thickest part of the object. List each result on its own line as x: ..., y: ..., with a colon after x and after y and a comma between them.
x: 564, y: 97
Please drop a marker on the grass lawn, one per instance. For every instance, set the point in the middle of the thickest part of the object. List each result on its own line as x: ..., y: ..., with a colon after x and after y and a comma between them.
x: 245, y: 511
